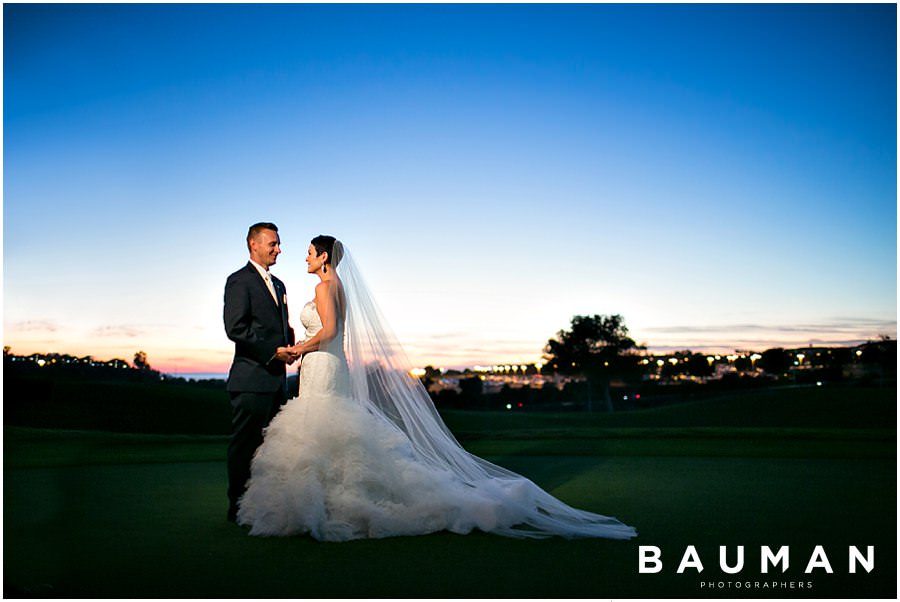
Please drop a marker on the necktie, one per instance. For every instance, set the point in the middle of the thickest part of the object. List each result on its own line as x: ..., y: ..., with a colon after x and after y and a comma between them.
x: 271, y: 287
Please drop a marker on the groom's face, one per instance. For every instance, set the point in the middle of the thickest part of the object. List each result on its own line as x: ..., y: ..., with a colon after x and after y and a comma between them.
x: 265, y: 247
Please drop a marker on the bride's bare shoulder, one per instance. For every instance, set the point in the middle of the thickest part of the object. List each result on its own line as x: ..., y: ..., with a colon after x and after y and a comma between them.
x: 326, y: 287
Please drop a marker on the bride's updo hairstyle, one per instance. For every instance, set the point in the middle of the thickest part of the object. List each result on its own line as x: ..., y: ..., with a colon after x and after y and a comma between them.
x: 328, y: 244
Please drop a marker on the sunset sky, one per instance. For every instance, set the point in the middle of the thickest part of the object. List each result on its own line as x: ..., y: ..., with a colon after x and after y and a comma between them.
x: 723, y: 176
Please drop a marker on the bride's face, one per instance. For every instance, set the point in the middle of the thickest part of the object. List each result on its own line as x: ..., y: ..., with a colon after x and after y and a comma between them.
x: 314, y: 262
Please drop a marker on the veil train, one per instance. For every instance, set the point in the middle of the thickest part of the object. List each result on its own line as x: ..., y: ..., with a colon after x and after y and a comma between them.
x: 381, y: 382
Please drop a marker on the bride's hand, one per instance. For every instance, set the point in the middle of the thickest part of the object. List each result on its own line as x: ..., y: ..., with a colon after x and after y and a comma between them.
x: 285, y: 355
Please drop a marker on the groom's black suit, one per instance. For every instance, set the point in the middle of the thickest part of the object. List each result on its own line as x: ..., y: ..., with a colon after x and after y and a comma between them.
x: 256, y: 383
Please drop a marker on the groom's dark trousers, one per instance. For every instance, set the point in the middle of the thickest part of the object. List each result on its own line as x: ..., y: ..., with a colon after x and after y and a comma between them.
x: 258, y: 325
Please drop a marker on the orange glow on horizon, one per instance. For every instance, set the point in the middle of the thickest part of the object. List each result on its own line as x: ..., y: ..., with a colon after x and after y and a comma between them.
x: 464, y: 353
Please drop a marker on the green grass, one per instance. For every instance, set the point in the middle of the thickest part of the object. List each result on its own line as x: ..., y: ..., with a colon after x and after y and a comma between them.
x: 778, y: 407
x: 91, y: 514
x: 156, y: 530
x: 26, y: 447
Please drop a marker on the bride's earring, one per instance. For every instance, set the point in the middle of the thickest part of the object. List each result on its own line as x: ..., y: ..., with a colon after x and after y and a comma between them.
x: 324, y: 270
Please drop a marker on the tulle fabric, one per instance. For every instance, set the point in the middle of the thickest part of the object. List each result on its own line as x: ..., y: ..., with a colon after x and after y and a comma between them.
x: 331, y: 469
x: 362, y: 451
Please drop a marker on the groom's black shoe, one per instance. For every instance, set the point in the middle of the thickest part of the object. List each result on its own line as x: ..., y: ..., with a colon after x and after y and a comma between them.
x: 232, y: 514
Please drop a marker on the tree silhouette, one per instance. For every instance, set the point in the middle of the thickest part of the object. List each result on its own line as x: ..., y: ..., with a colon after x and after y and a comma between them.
x: 698, y: 365
x: 140, y: 361
x: 776, y: 361
x: 881, y: 354
x: 598, y: 348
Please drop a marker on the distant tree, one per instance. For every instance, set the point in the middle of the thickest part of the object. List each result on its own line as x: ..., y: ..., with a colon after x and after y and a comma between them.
x: 698, y: 365
x: 743, y: 363
x: 431, y: 375
x: 140, y: 361
x: 599, y: 349
x: 6, y: 350
x: 882, y: 353
x: 776, y: 361
x: 471, y: 392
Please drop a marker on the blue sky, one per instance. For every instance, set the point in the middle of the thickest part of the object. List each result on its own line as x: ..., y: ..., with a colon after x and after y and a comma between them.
x: 724, y: 176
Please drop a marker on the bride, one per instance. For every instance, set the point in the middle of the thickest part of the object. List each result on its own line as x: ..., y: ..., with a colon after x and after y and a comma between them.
x: 361, y: 452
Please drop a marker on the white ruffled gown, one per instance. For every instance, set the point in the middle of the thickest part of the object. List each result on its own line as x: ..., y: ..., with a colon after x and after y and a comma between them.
x: 330, y: 468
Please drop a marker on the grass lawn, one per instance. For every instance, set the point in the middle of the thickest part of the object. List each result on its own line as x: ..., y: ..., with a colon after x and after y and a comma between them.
x: 126, y: 515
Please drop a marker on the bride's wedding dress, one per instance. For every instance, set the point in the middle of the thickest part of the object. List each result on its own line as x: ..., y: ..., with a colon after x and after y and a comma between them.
x: 340, y: 462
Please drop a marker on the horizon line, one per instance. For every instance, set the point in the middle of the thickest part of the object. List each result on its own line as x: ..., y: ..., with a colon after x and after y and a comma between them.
x: 176, y: 368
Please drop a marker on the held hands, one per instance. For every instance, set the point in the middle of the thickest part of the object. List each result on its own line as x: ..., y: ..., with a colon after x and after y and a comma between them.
x: 288, y: 355
x: 302, y: 347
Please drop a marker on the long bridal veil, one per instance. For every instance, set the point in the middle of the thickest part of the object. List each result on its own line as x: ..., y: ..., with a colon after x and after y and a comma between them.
x: 380, y: 381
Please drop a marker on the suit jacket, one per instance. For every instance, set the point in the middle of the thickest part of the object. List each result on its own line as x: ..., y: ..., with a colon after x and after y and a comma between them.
x: 258, y: 326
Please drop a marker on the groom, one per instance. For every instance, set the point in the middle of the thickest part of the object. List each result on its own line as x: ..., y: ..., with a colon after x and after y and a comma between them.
x: 256, y: 319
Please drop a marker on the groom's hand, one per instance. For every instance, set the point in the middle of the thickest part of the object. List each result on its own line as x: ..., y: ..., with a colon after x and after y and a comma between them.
x: 284, y: 354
